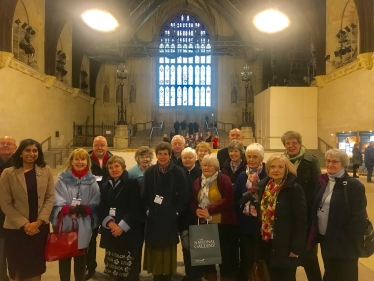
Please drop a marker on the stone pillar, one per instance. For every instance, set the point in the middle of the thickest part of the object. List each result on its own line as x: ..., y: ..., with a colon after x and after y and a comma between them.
x: 121, y: 138
x: 247, y: 135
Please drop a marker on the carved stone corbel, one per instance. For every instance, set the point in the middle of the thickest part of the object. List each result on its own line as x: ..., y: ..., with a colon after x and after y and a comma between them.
x: 49, y: 80
x: 76, y: 92
x: 367, y: 59
x: 5, y: 59
x: 320, y: 79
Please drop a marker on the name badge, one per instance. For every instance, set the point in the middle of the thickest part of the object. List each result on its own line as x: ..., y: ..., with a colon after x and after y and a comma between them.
x: 99, y: 178
x: 74, y: 202
x: 78, y: 202
x: 112, y: 212
x: 320, y: 213
x: 158, y: 199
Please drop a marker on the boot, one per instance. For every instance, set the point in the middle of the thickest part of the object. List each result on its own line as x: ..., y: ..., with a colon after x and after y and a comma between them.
x: 211, y: 277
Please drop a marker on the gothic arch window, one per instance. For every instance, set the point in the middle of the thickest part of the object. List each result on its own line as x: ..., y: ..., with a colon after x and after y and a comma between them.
x: 184, y: 65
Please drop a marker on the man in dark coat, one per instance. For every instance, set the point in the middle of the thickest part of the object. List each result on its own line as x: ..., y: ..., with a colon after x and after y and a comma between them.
x: 223, y: 154
x: 176, y: 127
x: 7, y: 148
x: 369, y: 160
x: 308, y: 169
x: 178, y: 143
x: 190, y: 128
x: 99, y: 156
x: 195, y: 127
x: 183, y: 126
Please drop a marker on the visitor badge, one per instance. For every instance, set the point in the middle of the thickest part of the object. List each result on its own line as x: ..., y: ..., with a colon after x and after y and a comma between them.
x: 78, y: 202
x: 98, y: 178
x: 112, y: 212
x: 320, y: 213
x: 74, y: 202
x: 158, y: 199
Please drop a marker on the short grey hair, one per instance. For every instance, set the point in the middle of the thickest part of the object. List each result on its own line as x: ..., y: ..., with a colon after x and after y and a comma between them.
x: 291, y: 135
x: 210, y: 159
x: 189, y: 150
x: 235, y: 144
x: 256, y: 148
x: 343, y: 157
x: 178, y: 137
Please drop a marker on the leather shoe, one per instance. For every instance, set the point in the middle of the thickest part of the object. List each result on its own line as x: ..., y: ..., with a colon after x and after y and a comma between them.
x: 89, y: 274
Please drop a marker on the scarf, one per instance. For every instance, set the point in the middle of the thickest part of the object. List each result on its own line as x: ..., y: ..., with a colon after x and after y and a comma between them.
x: 79, y: 175
x: 234, y: 167
x: 253, y: 178
x: 337, y: 175
x: 205, y: 184
x: 268, y: 203
x: 297, y: 159
x: 163, y: 168
x: 98, y: 161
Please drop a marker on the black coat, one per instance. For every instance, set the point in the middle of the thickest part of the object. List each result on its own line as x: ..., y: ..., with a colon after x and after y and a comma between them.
x: 125, y: 198
x: 96, y: 170
x: 162, y: 221
x: 223, y: 155
x: 369, y: 156
x: 290, y: 223
x: 345, y: 226
x: 307, y: 177
x: 176, y: 161
x: 356, y: 156
x: 226, y: 169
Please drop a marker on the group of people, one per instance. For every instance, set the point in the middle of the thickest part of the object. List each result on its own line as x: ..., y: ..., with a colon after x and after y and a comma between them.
x: 193, y: 140
x: 276, y: 211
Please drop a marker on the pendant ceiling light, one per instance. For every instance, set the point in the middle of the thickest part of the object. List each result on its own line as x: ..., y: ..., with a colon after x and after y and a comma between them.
x: 100, y: 20
x: 271, y: 21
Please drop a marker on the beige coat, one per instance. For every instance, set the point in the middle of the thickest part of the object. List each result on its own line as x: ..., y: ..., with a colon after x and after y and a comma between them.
x: 14, y: 199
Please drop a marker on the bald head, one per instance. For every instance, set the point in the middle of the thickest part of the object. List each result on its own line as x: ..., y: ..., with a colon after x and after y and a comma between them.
x: 7, y: 147
x: 236, y: 134
x: 100, y: 146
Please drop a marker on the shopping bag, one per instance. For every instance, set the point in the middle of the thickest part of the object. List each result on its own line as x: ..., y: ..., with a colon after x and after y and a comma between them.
x: 259, y: 272
x: 62, y: 245
x: 204, y: 244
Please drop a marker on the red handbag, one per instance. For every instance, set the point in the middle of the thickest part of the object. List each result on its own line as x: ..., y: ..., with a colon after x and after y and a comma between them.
x: 62, y: 245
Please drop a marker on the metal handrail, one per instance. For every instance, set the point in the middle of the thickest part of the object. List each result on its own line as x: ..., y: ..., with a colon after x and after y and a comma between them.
x: 48, y: 141
x: 324, y: 146
x: 211, y: 128
x: 60, y: 153
x: 150, y: 139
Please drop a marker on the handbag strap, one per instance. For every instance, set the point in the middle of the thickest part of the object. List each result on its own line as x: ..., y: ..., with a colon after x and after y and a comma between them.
x: 60, y: 222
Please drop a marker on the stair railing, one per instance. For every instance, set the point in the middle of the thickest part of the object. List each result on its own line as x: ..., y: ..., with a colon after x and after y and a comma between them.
x: 64, y: 151
x: 323, y: 146
x: 48, y: 142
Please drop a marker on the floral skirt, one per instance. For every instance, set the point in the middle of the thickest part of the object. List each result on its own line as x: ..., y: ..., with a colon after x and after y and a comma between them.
x: 160, y: 261
x: 118, y: 264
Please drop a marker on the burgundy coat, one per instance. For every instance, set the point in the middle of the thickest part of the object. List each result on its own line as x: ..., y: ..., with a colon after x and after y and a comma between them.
x: 225, y: 206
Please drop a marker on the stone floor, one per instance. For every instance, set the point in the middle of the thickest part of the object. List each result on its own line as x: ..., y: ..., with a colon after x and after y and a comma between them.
x: 366, y: 266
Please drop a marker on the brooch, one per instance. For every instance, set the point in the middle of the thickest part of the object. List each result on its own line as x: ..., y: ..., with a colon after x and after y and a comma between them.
x: 38, y: 173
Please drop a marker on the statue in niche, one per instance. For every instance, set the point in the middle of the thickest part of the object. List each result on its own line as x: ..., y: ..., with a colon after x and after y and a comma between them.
x: 106, y: 94
x: 118, y: 94
x: 251, y: 94
x: 133, y: 93
x: 234, y: 95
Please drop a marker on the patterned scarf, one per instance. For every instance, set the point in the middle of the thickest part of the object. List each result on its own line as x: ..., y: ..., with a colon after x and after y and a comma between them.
x: 163, y: 168
x: 268, y: 203
x: 297, y: 159
x: 234, y: 167
x: 204, y: 195
x: 251, y: 185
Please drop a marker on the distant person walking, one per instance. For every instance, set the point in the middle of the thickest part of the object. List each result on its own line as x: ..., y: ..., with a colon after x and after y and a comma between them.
x: 356, y: 159
x: 369, y: 160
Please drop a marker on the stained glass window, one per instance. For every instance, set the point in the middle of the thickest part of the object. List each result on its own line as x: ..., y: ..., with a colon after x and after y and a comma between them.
x: 184, y: 65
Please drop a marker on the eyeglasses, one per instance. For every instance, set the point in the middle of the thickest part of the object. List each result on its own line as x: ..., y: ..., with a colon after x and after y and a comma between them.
x: 290, y: 144
x: 334, y: 162
x: 3, y: 143
x: 207, y: 166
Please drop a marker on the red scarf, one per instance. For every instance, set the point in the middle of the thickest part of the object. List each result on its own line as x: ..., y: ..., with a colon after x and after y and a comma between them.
x: 79, y: 175
x: 98, y: 161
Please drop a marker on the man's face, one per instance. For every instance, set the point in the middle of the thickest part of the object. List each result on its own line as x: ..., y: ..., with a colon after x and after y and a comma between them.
x: 7, y: 147
x: 100, y: 147
x: 235, y: 134
x: 177, y: 145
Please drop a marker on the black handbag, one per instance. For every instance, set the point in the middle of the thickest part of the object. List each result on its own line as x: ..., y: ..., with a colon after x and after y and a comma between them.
x: 365, y: 245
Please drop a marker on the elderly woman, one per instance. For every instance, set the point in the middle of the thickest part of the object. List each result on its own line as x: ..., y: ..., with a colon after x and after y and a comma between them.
x: 236, y: 163
x: 246, y: 188
x: 339, y: 218
x: 143, y: 157
x: 202, y: 149
x: 77, y: 197
x: 193, y: 172
x: 26, y: 198
x: 282, y: 212
x: 165, y: 197
x: 308, y: 169
x: 120, y: 209
x: 213, y: 201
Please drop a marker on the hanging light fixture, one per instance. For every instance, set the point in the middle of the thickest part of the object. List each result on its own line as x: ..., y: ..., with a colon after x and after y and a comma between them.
x: 100, y: 20
x: 271, y: 21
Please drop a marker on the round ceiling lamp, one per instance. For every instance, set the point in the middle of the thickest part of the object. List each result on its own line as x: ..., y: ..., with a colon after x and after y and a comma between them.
x: 271, y: 21
x: 100, y: 20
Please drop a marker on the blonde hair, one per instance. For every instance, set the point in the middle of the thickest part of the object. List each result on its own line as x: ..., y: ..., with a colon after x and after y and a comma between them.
x: 82, y: 154
x: 202, y: 145
x: 290, y: 168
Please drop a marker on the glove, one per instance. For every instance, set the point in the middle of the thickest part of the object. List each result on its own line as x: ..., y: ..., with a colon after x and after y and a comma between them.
x: 78, y: 210
x: 248, y: 196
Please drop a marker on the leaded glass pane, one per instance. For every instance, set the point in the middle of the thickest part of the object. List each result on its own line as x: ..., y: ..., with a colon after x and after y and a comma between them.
x: 202, y: 75
x: 202, y: 59
x: 208, y: 59
x: 197, y: 59
x: 190, y: 60
x: 161, y: 96
x: 167, y: 60
x: 161, y: 75
x: 179, y: 96
x: 185, y: 75
x: 197, y: 96
x: 179, y: 59
x: 184, y: 96
x: 179, y: 75
x: 167, y: 96
x: 202, y: 96
x: 190, y: 96
x: 197, y: 75
x: 172, y: 96
x: 167, y: 75
x: 190, y: 75
x: 208, y: 97
x: 172, y: 75
x: 208, y: 75
x: 161, y: 60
